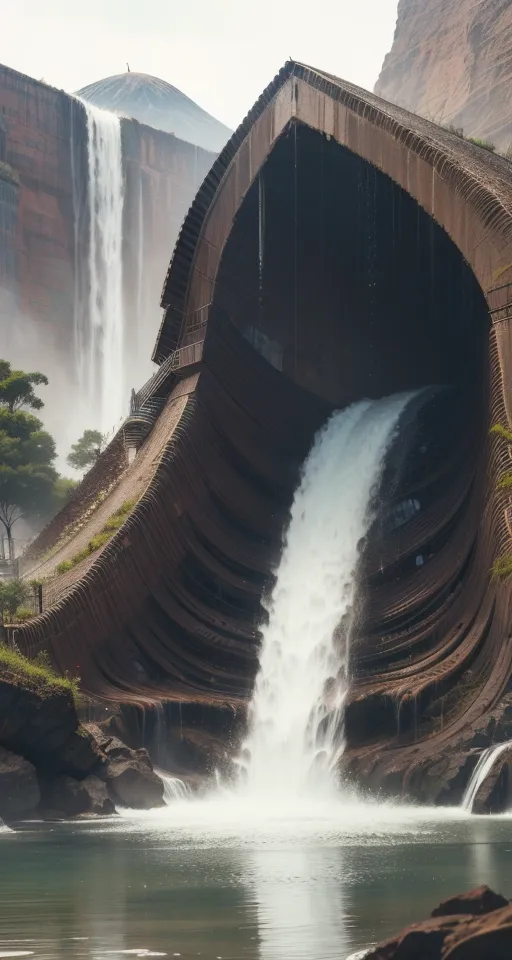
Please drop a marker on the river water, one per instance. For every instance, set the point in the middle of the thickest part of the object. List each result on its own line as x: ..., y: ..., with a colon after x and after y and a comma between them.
x: 222, y: 880
x: 280, y: 867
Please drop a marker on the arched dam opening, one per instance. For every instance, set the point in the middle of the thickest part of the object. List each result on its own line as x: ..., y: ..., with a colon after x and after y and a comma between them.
x: 334, y: 286
x: 322, y: 263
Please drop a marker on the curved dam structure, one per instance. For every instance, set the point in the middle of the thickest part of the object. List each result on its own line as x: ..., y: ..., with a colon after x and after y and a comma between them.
x: 339, y: 249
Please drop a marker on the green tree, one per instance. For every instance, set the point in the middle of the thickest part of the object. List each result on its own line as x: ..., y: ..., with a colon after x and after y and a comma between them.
x: 12, y: 594
x: 27, y: 452
x: 17, y: 388
x: 85, y: 452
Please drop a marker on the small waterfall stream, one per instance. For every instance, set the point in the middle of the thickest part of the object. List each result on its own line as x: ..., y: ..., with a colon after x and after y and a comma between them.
x: 101, y: 339
x: 174, y: 788
x: 481, y: 772
x: 296, y: 714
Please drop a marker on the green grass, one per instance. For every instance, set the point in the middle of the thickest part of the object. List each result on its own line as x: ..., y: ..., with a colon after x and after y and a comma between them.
x: 485, y: 144
x: 37, y: 675
x: 99, y: 540
x: 502, y: 567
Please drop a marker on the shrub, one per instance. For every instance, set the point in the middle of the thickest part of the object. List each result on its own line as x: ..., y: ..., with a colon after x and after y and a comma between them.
x: 457, y: 131
x: 99, y: 540
x: 502, y: 567
x: 64, y: 566
x: 499, y: 431
x: 23, y: 613
x: 505, y: 481
x: 485, y: 144
x: 12, y: 595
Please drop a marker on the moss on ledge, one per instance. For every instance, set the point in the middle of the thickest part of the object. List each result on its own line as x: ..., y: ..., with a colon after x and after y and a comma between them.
x: 36, y: 675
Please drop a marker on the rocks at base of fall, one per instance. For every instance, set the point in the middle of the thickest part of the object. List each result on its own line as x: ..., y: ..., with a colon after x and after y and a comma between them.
x: 66, y: 797
x: 50, y: 765
x: 128, y: 774
x: 19, y: 787
x: 476, y: 925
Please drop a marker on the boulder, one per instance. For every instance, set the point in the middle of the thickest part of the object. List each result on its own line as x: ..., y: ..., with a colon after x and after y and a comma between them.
x: 475, y: 902
x: 128, y: 774
x: 45, y: 730
x: 67, y: 797
x: 482, y: 928
x: 19, y: 788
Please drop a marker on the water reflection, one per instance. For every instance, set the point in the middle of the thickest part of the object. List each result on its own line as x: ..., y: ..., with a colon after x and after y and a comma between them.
x: 199, y: 880
x: 300, y: 902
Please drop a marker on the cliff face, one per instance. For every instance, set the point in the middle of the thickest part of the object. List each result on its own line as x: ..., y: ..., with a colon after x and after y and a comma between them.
x: 451, y: 61
x: 44, y: 224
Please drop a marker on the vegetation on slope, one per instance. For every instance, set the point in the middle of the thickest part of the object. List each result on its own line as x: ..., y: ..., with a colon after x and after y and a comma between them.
x: 107, y: 531
x: 37, y: 675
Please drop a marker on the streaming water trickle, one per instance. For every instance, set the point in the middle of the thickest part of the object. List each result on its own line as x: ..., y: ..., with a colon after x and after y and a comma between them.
x: 482, y: 771
x: 296, y: 714
x: 174, y: 788
x: 101, y: 339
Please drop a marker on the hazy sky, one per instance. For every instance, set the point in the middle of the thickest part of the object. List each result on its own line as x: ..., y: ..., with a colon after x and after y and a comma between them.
x: 222, y: 53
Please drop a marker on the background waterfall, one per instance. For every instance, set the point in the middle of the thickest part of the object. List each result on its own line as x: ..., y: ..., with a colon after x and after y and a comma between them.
x: 100, y: 340
x: 296, y: 714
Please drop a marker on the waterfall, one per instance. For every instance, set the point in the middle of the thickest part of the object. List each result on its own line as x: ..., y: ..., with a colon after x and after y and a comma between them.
x: 296, y: 713
x: 481, y: 772
x: 100, y: 340
x: 174, y: 788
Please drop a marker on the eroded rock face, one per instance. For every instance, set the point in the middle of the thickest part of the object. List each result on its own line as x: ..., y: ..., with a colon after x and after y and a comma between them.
x: 45, y: 730
x: 451, y: 62
x: 19, y: 787
x: 479, y: 927
x: 128, y: 774
x: 65, y: 769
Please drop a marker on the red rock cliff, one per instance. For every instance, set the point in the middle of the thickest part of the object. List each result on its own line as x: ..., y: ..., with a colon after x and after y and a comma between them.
x: 43, y: 248
x: 451, y: 61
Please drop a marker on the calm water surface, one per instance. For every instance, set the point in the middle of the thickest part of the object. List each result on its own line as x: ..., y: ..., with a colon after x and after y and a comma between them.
x: 219, y: 879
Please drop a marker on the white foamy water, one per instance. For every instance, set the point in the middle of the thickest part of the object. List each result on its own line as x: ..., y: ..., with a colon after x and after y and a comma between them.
x: 101, y: 340
x: 481, y: 772
x: 295, y: 719
x: 174, y: 788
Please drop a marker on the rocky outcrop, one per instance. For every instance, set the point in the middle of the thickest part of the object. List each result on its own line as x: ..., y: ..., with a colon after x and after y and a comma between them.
x: 128, y: 774
x: 468, y: 927
x: 66, y: 797
x: 52, y: 766
x: 451, y: 62
x: 43, y: 727
x: 19, y: 787
x: 419, y: 774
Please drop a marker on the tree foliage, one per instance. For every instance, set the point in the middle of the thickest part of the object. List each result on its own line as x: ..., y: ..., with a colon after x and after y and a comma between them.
x: 27, y: 452
x: 12, y: 594
x: 17, y: 388
x: 85, y: 452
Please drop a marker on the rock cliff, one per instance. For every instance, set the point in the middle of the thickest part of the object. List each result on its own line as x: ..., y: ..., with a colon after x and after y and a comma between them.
x: 44, y: 229
x: 451, y: 62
